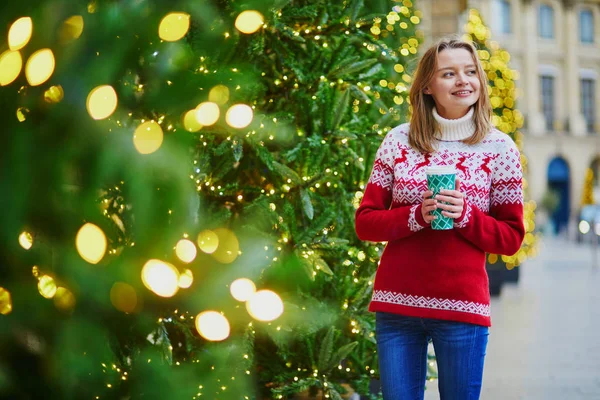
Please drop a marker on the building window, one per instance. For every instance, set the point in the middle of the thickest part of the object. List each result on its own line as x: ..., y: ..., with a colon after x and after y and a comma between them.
x: 586, y: 26
x: 503, y: 13
x: 588, y: 103
x: 546, y: 22
x: 547, y: 86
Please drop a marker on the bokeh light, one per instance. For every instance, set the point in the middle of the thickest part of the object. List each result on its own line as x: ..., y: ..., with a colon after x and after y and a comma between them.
x: 5, y: 302
x: 186, y: 250
x: 265, y: 305
x: 249, y: 21
x: 123, y: 297
x: 190, y: 123
x: 71, y: 29
x: 102, y: 102
x: 160, y: 277
x: 212, y: 326
x: 207, y: 113
x: 10, y: 67
x: 239, y: 116
x: 208, y: 241
x: 219, y: 94
x: 174, y: 26
x: 26, y: 240
x: 64, y: 299
x: 229, y: 246
x: 47, y: 286
x: 91, y: 243
x: 148, y: 137
x: 54, y: 94
x: 40, y: 67
x: 242, y: 289
x: 186, y: 279
x: 20, y: 33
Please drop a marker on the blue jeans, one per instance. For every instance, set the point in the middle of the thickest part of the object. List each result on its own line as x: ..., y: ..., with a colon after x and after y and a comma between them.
x: 402, y: 348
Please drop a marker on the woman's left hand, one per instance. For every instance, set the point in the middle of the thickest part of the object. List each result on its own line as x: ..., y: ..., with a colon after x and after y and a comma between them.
x: 455, y: 200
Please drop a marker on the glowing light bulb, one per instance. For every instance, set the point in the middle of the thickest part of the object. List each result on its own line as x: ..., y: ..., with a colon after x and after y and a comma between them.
x: 186, y: 279
x: 71, y: 29
x: 47, y: 286
x: 212, y: 326
x: 40, y: 67
x: 190, y: 123
x: 123, y: 297
x: 20, y: 33
x: 102, y: 102
x: 265, y: 305
x: 242, y: 289
x: 161, y: 278
x: 64, y: 299
x: 174, y: 26
x: 148, y: 137
x: 5, y: 302
x: 208, y: 241
x: 229, y: 246
x: 26, y: 240
x: 249, y: 21
x: 10, y: 67
x: 54, y: 94
x: 219, y: 94
x: 239, y: 116
x: 185, y: 250
x: 207, y: 113
x: 91, y: 243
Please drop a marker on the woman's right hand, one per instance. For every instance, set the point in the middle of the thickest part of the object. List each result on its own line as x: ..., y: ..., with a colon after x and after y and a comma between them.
x: 429, y: 204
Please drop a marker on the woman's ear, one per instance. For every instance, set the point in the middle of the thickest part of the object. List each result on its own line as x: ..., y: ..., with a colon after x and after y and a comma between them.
x: 426, y: 91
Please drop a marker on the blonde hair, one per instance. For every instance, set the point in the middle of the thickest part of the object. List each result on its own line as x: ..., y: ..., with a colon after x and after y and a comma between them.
x: 423, y: 126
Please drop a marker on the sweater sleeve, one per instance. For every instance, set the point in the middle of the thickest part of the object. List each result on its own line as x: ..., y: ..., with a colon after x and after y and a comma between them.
x: 502, y: 231
x: 375, y: 221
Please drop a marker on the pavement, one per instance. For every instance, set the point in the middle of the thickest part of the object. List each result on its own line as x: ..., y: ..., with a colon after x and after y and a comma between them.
x: 545, y: 337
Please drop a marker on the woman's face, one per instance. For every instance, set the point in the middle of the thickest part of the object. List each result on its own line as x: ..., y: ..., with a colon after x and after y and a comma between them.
x: 455, y: 85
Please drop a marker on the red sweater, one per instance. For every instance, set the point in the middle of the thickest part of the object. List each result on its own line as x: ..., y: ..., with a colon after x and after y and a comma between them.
x: 441, y: 274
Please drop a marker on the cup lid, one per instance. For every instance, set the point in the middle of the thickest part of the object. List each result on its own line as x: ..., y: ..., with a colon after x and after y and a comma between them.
x: 440, y: 170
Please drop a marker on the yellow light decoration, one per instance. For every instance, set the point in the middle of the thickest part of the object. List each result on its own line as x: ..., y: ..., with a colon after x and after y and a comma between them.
x: 71, y: 29
x: 22, y: 113
x: 102, y: 102
x: 10, y: 67
x: 161, y: 278
x: 26, y: 240
x: 148, y: 137
x: 64, y: 300
x: 212, y: 326
x: 186, y: 279
x: 219, y: 94
x: 123, y: 297
x: 185, y: 250
x: 91, y: 243
x: 54, y: 94
x: 208, y: 241
x: 265, y: 305
x: 174, y: 26
x: 242, y: 289
x: 40, y: 67
x: 5, y: 302
x: 239, y: 116
x: 249, y: 21
x: 207, y: 113
x: 229, y: 246
x: 47, y: 286
x: 190, y: 123
x: 20, y: 33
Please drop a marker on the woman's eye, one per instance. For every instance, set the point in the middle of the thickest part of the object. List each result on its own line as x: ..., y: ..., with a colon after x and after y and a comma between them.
x: 447, y: 74
x: 472, y: 72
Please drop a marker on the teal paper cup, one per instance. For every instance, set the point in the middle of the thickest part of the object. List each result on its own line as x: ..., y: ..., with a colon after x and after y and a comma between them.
x: 438, y: 178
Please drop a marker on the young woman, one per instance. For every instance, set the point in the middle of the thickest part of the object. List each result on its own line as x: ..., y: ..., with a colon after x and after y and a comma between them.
x: 432, y: 284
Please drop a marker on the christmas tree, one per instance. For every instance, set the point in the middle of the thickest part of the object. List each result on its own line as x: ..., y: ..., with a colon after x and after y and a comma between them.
x: 507, y: 118
x: 180, y: 181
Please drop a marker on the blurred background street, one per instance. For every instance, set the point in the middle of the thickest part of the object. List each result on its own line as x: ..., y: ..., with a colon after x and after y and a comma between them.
x: 545, y: 338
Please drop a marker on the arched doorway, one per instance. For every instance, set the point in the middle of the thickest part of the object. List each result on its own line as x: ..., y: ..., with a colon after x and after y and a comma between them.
x: 559, y: 183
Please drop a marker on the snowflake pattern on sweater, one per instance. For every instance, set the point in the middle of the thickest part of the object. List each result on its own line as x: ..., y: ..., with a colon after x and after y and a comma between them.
x: 413, y: 278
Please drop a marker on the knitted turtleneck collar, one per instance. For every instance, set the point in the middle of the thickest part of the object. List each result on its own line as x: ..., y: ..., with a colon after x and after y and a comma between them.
x: 455, y: 129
